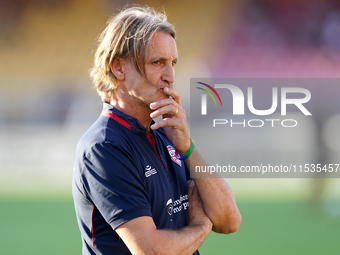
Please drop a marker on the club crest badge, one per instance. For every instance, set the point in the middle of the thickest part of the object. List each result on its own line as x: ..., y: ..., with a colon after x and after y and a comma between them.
x: 173, y: 156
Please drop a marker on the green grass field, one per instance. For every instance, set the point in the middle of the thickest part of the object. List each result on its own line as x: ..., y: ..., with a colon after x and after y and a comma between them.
x: 40, y: 226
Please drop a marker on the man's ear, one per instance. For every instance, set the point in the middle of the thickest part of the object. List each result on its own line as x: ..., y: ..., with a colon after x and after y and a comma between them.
x: 117, y: 68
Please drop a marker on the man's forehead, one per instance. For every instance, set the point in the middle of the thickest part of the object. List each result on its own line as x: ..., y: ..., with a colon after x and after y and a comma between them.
x: 162, y: 45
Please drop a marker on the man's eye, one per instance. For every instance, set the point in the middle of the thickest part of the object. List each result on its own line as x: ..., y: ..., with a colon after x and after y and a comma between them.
x: 157, y: 62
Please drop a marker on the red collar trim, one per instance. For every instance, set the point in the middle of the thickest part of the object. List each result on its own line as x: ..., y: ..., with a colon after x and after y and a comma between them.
x: 116, y: 118
x: 152, y: 140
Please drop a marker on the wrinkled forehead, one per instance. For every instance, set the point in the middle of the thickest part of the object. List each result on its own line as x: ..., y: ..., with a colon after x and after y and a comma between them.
x: 162, y: 45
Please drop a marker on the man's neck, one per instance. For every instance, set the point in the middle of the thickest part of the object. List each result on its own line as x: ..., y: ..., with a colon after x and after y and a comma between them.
x: 138, y: 111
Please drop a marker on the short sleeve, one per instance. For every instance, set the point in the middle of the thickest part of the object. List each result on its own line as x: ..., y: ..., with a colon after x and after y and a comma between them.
x: 114, y: 182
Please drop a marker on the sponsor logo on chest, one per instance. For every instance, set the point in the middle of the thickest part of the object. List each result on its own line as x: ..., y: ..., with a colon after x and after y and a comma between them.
x: 182, y: 203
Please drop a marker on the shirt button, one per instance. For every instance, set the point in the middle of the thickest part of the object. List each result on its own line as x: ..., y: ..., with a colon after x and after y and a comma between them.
x: 151, y: 137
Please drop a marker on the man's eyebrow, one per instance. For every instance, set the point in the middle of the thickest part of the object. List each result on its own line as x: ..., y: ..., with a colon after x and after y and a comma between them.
x: 162, y: 59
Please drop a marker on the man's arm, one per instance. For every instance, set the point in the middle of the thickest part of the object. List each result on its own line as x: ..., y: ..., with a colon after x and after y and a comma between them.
x: 142, y: 237
x: 217, y: 198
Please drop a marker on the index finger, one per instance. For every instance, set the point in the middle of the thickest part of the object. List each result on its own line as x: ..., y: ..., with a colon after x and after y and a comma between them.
x: 174, y: 94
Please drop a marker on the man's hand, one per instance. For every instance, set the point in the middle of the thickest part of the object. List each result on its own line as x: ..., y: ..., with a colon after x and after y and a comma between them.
x: 175, y: 124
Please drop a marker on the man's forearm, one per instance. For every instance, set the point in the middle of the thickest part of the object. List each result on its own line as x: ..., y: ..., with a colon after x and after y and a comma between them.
x: 141, y: 237
x: 217, y: 198
x: 185, y: 241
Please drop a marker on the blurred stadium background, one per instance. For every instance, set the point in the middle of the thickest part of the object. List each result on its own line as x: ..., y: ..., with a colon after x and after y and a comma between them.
x: 47, y: 102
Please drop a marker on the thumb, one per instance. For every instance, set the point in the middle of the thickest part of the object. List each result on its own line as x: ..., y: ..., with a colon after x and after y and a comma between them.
x: 191, y: 187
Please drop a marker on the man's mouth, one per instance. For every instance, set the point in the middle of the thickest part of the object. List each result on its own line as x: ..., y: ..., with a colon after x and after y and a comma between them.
x: 162, y: 89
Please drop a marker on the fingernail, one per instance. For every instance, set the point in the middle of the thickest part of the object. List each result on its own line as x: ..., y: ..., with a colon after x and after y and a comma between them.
x: 152, y: 105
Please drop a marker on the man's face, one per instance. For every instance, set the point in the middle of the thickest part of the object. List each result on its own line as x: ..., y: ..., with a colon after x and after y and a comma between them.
x: 161, y: 57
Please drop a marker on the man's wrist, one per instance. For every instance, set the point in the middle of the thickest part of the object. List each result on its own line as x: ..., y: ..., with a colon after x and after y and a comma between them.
x: 186, y: 148
x: 188, y: 152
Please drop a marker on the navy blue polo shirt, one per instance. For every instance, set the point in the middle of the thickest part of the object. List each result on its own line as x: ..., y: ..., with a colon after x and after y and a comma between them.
x: 121, y: 172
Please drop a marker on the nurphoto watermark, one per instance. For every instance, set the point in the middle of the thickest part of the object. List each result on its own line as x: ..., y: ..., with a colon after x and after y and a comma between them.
x: 266, y: 128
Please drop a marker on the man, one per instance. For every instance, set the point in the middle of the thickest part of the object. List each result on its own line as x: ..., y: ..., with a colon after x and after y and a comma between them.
x: 131, y: 184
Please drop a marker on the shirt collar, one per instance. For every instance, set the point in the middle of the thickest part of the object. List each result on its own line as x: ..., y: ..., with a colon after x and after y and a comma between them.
x: 133, y: 122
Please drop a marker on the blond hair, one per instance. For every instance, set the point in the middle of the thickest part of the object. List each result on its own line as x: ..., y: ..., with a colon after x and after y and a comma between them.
x: 127, y: 34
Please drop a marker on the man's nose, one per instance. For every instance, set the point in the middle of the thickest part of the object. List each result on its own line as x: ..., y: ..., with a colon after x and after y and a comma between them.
x: 169, y: 74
